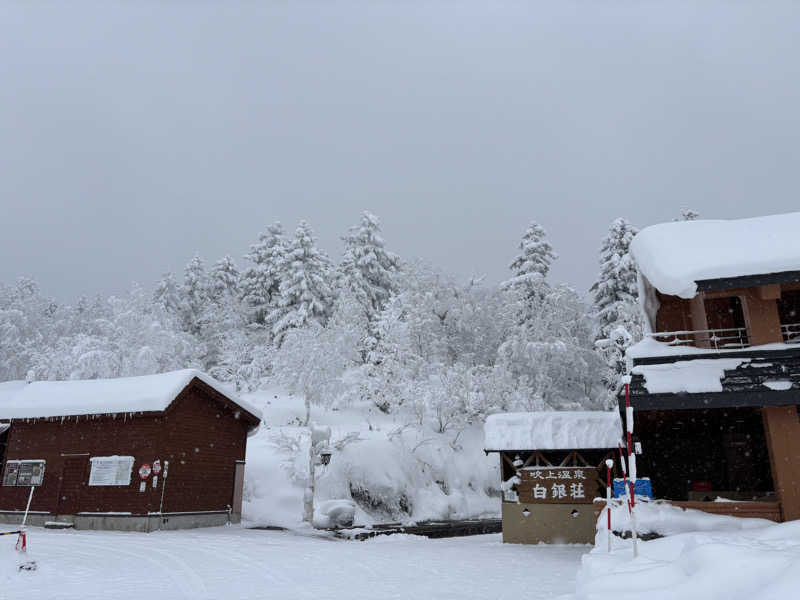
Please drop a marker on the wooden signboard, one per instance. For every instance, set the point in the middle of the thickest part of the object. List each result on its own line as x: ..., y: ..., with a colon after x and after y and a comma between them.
x: 558, y: 485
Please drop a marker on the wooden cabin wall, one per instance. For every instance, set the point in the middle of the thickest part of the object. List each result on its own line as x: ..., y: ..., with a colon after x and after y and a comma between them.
x: 201, y: 438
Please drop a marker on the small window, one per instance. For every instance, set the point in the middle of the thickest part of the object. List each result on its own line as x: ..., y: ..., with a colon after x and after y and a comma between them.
x: 725, y: 317
x: 789, y: 313
x: 24, y: 472
x: 110, y: 470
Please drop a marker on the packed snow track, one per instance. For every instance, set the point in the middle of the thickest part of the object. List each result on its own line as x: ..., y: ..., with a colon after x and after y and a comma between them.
x: 234, y: 563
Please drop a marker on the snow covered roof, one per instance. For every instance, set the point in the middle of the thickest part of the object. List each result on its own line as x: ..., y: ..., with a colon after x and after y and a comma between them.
x: 554, y: 430
x: 146, y: 393
x: 673, y: 256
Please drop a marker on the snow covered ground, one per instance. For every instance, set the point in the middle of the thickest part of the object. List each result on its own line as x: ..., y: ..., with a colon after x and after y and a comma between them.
x: 236, y: 564
x: 395, y: 471
x: 760, y: 563
x: 702, y: 557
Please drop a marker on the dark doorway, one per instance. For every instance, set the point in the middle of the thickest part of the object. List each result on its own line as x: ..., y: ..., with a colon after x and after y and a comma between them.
x: 721, y: 451
x: 73, y: 480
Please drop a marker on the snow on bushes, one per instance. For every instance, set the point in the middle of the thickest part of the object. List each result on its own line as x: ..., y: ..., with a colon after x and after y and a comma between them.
x: 392, y: 471
x: 334, y: 513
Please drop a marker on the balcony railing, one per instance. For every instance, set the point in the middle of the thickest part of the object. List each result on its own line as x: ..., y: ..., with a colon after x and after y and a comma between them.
x: 791, y: 333
x: 721, y: 339
x: 718, y: 339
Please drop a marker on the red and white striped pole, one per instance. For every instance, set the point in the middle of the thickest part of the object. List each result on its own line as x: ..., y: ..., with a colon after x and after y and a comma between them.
x: 624, y: 475
x: 631, y: 467
x: 609, y: 466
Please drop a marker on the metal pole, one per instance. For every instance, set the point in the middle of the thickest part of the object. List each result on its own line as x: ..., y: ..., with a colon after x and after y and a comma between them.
x: 25, y: 516
x: 163, y: 489
x: 609, y: 464
x: 308, y: 497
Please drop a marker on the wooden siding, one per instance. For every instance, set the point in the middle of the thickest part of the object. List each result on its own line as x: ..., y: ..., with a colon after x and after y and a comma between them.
x: 674, y: 313
x: 201, y: 434
x: 751, y: 510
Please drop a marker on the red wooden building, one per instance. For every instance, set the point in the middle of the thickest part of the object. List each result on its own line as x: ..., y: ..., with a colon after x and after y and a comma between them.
x: 159, y: 451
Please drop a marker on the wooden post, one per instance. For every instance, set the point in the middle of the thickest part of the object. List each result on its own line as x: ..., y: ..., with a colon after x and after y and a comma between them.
x: 761, y: 317
x: 782, y: 432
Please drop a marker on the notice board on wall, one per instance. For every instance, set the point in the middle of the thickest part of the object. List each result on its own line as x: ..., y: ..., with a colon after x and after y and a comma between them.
x: 557, y: 485
x: 24, y: 472
x: 111, y: 470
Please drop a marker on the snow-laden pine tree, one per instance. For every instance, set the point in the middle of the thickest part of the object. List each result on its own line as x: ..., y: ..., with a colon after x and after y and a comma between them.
x: 223, y: 280
x: 306, y: 291
x: 615, y: 293
x: 260, y: 283
x: 531, y: 266
x: 194, y: 295
x: 166, y: 294
x: 367, y: 268
x: 224, y: 321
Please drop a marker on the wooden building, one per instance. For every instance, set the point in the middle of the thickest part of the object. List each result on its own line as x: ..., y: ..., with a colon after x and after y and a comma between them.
x: 552, y: 466
x: 159, y: 451
x: 715, y: 384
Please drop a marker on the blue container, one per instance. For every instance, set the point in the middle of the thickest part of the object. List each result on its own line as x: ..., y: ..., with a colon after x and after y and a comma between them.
x: 642, y: 487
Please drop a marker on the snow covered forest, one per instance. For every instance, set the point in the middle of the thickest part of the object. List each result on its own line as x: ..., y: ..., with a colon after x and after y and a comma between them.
x: 397, y: 332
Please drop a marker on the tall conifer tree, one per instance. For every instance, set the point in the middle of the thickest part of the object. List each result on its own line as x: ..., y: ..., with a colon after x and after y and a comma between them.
x: 367, y: 268
x: 305, y: 294
x: 615, y: 294
x: 260, y: 283
x: 532, y: 264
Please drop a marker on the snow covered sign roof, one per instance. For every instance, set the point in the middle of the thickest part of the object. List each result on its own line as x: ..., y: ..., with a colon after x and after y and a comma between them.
x: 554, y: 430
x: 675, y: 256
x: 146, y: 393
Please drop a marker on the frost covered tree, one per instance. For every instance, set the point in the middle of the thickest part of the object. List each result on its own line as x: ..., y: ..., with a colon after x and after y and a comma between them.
x: 223, y: 280
x: 260, y: 283
x: 531, y: 266
x: 225, y: 331
x: 194, y: 296
x: 367, y: 268
x: 119, y: 336
x: 244, y: 356
x: 313, y: 359
x: 615, y: 300
x: 305, y: 294
x: 167, y: 294
x: 551, y: 355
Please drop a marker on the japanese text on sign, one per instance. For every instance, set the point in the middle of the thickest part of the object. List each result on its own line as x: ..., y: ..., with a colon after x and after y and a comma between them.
x: 557, y: 484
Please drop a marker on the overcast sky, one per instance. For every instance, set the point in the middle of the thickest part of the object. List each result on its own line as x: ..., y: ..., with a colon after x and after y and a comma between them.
x: 133, y: 136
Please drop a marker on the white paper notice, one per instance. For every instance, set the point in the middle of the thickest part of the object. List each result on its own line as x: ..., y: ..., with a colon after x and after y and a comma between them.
x: 111, y: 470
